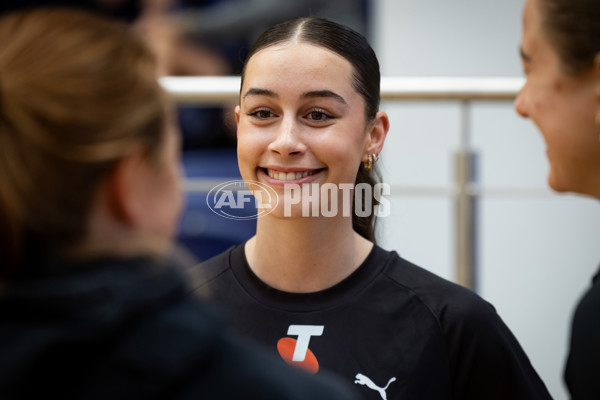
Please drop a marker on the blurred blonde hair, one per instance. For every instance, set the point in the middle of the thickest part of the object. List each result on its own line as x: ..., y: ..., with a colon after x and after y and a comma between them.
x: 77, y: 93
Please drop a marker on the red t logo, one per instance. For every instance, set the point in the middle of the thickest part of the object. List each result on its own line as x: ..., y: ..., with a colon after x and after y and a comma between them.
x: 296, y: 352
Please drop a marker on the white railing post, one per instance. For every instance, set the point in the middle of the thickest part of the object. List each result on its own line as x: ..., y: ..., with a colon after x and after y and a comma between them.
x: 465, y: 204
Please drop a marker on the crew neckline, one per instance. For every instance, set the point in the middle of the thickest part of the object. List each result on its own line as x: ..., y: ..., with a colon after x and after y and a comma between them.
x: 333, y: 296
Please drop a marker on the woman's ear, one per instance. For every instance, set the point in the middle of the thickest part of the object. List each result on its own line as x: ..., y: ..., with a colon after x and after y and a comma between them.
x: 126, y: 188
x: 237, y: 114
x: 378, y: 130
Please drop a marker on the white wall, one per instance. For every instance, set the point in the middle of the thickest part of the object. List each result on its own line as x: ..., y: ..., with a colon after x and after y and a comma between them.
x: 537, y: 250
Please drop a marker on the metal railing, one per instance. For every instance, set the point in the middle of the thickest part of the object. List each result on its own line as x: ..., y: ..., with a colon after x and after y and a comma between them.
x: 465, y: 191
x: 222, y: 89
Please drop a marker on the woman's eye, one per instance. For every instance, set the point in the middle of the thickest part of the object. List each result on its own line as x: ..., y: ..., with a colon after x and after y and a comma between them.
x: 261, y: 114
x: 317, y: 115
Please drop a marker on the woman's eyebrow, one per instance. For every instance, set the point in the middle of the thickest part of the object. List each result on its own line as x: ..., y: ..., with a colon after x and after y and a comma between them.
x: 260, y: 92
x: 311, y: 94
x: 324, y: 93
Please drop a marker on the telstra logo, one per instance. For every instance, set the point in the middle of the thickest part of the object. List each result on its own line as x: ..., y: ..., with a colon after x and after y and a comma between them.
x: 295, y: 351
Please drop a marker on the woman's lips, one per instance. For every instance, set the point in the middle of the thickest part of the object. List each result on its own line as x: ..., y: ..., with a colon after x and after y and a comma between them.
x: 282, y: 177
x: 290, y: 176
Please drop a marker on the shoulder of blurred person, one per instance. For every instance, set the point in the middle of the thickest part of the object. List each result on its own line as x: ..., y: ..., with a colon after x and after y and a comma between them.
x: 581, y: 372
x: 125, y: 328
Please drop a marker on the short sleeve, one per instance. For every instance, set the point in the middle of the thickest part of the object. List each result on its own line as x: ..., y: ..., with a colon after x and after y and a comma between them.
x: 486, y: 359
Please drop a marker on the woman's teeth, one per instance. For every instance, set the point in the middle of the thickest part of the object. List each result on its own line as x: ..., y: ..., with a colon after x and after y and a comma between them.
x: 288, y: 176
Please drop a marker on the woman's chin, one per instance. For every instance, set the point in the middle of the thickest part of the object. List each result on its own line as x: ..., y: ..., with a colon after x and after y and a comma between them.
x: 562, y: 185
x: 555, y: 184
x: 288, y: 213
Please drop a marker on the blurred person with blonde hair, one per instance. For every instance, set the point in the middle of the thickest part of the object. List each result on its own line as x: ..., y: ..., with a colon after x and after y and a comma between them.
x: 90, y: 305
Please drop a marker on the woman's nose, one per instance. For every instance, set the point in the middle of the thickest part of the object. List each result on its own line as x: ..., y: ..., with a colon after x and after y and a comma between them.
x: 288, y: 140
x: 521, y: 103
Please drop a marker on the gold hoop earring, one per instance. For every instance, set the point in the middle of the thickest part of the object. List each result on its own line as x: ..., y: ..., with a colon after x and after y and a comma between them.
x: 370, y: 161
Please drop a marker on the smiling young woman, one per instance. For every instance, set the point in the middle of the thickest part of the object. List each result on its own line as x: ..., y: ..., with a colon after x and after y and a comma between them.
x: 560, y: 50
x: 312, y: 132
x: 314, y: 287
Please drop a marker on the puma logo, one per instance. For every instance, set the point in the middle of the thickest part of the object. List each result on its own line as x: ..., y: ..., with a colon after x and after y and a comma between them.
x: 366, y: 381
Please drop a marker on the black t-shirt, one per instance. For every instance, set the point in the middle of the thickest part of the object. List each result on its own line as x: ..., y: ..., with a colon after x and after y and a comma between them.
x: 583, y: 366
x: 392, y: 328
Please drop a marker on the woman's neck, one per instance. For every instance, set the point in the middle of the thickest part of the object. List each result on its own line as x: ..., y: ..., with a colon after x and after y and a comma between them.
x: 306, y: 254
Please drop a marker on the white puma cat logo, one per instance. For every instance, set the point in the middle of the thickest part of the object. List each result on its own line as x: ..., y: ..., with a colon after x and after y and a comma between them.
x: 365, y: 380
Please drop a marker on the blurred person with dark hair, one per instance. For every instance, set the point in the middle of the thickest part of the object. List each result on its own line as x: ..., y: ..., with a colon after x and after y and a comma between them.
x: 560, y: 50
x: 90, y: 305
